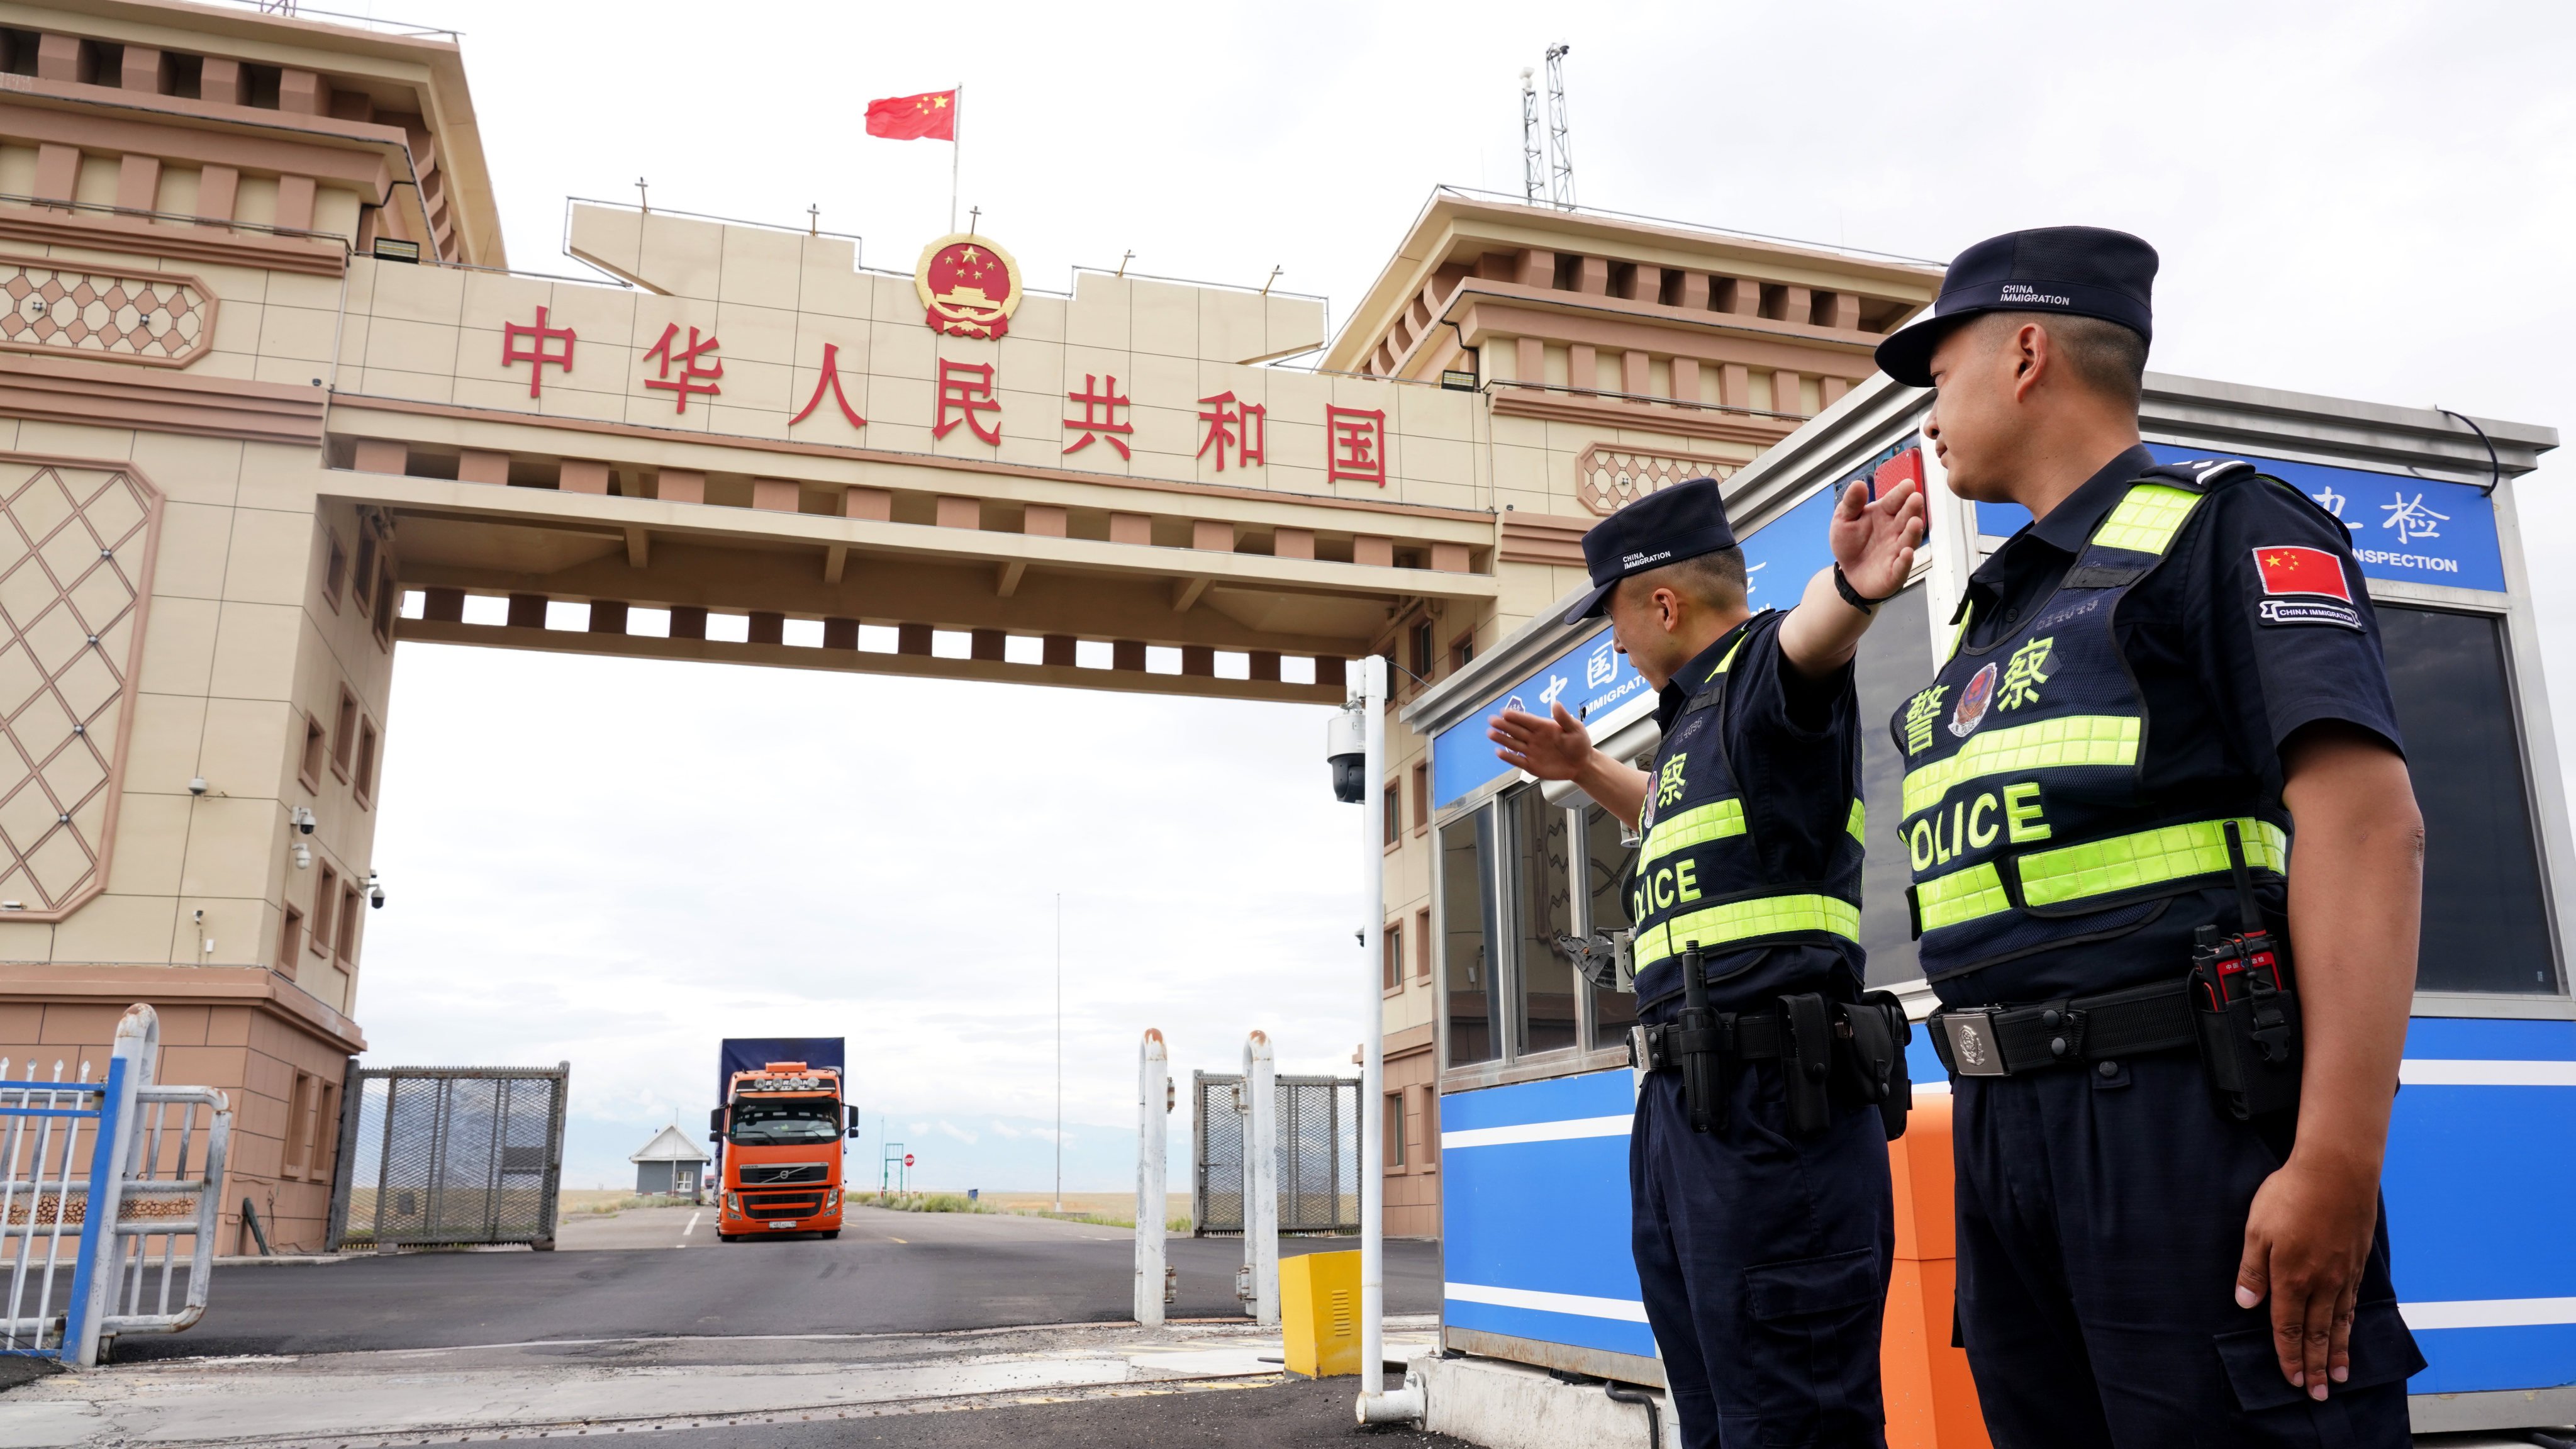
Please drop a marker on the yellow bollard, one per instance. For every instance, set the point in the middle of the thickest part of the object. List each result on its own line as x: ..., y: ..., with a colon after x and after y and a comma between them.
x: 1319, y: 1313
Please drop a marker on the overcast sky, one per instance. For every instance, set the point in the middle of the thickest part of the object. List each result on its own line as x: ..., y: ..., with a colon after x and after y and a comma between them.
x: 616, y: 862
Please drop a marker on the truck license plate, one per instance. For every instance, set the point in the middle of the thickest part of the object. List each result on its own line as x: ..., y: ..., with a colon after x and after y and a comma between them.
x: 787, y: 1223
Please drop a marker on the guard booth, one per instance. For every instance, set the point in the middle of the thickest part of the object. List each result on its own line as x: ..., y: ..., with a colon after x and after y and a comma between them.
x: 1535, y: 1092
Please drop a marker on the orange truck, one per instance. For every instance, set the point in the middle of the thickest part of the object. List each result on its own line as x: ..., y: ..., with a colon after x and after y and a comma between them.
x: 779, y: 1139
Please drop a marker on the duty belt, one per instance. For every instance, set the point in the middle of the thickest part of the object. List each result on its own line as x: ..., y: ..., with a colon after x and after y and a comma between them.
x: 2005, y: 1041
x: 1746, y: 1036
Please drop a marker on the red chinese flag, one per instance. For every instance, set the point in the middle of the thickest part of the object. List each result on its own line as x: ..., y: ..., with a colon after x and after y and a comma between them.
x: 931, y: 116
x: 2302, y: 571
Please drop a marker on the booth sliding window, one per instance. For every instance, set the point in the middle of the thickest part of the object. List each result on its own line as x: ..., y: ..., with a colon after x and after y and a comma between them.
x: 2486, y: 919
x: 1895, y: 660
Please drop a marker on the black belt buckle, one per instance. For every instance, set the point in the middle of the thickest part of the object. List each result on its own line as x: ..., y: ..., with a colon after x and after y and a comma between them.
x: 1975, y: 1050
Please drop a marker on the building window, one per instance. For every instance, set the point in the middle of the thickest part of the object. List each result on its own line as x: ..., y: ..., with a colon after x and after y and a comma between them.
x: 362, y: 775
x: 1394, y: 1129
x: 308, y: 765
x: 366, y: 573
x: 300, y: 1105
x: 388, y: 604
x: 335, y: 573
x: 1422, y: 796
x: 1462, y: 650
x: 1391, y: 963
x: 344, y: 948
x: 326, y: 901
x: 1423, y: 660
x: 1466, y: 888
x: 289, y: 936
x: 326, y: 1130
x: 1422, y: 943
x: 2485, y: 925
x: 1394, y: 812
x: 344, y: 734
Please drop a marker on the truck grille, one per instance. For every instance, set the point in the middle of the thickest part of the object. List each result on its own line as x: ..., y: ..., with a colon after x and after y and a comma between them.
x: 781, y: 1204
x: 782, y: 1174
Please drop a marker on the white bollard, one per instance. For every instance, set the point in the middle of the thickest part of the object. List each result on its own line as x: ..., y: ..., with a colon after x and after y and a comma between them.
x: 1261, y: 1177
x: 1153, y: 1075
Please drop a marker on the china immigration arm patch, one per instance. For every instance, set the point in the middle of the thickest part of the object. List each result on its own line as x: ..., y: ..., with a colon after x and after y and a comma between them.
x: 2304, y: 585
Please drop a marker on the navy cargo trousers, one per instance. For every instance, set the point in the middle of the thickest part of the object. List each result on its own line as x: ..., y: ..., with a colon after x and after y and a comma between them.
x: 2101, y: 1221
x: 1764, y: 1259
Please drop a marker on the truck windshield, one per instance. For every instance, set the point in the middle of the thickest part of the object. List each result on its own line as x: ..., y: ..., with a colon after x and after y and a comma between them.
x: 756, y: 1123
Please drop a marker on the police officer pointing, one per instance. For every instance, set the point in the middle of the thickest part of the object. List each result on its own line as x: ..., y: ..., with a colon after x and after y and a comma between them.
x: 2174, y: 1038
x: 1758, y: 1157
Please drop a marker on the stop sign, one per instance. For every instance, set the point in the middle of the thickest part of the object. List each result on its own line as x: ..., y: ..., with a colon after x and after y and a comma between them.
x: 907, y: 1159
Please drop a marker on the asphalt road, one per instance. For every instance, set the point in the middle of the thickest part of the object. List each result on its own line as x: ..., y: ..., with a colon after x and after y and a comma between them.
x: 1295, y: 1414
x: 888, y: 1272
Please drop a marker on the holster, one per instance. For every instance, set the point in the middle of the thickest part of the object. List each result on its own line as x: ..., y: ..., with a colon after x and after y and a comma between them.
x: 2250, y: 1047
x: 1807, y: 1061
x: 1871, y: 1067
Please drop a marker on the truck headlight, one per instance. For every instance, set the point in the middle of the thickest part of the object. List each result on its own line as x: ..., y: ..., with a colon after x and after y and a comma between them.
x: 832, y: 1201
x: 733, y: 1205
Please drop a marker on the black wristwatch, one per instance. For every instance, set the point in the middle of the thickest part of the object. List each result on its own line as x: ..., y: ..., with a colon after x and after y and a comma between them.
x: 1852, y: 596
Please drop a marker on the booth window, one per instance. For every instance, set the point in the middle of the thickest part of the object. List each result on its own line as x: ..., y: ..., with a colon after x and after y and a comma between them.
x: 1895, y: 658
x: 1543, y: 911
x: 2486, y: 924
x: 1466, y: 934
x: 1605, y: 870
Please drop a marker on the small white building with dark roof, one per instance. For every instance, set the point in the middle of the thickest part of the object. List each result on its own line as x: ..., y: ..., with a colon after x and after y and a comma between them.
x: 670, y: 1163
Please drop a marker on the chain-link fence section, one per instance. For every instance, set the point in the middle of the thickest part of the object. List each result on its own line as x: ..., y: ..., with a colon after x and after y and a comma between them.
x: 1319, y: 1154
x: 449, y: 1155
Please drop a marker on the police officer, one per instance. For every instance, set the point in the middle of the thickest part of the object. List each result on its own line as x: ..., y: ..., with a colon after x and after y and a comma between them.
x: 2168, y: 1141
x: 1757, y: 1162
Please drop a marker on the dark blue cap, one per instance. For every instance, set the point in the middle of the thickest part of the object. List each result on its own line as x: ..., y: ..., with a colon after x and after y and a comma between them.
x: 2084, y: 270
x: 1667, y: 526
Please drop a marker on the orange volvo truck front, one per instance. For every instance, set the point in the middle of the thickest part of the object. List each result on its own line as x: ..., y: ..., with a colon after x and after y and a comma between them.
x: 781, y: 1128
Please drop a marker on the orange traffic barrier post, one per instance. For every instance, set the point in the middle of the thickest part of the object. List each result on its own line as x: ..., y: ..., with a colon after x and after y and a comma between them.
x: 1931, y: 1400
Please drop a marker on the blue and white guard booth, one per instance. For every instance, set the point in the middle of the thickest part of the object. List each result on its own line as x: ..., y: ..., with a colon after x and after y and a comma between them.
x: 1535, y: 1095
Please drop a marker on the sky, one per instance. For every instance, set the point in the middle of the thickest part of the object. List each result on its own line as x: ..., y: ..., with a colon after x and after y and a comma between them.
x: 615, y: 862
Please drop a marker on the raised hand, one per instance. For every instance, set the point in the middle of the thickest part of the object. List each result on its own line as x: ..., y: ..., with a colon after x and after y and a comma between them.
x: 1874, y: 539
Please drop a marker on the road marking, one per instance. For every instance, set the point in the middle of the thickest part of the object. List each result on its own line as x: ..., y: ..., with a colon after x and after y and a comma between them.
x: 891, y: 1238
x: 691, y: 1228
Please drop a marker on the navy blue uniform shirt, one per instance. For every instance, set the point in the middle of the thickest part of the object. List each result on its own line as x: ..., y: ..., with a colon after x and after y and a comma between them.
x: 1794, y: 746
x: 2224, y: 690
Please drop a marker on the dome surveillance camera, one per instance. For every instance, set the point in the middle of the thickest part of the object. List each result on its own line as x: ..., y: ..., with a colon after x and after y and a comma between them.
x: 303, y: 856
x: 303, y: 818
x: 197, y: 786
x: 1346, y: 750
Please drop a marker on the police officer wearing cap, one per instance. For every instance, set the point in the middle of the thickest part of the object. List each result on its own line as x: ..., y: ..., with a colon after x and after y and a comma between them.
x: 1758, y: 1157
x: 2173, y: 1037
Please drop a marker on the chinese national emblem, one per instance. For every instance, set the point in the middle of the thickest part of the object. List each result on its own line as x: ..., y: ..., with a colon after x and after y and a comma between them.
x: 969, y: 287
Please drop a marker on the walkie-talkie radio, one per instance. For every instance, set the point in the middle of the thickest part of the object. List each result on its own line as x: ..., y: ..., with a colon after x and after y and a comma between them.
x: 2244, y: 1005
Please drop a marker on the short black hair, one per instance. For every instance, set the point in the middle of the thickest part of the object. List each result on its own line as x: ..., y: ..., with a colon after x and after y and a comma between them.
x: 1714, y: 579
x: 2105, y: 357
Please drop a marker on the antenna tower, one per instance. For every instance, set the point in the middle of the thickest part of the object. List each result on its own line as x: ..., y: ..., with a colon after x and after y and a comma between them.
x: 1533, y: 158
x: 1560, y: 180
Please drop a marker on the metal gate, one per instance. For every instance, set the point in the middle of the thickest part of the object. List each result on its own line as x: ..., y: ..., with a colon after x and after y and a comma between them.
x: 449, y: 1155
x: 1319, y: 1149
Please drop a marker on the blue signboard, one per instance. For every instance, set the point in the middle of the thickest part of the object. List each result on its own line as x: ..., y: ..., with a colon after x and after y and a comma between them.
x: 1590, y: 680
x: 1783, y: 554
x: 2404, y: 529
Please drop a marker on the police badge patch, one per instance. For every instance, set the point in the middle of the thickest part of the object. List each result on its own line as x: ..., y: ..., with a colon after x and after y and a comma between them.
x: 1973, y: 700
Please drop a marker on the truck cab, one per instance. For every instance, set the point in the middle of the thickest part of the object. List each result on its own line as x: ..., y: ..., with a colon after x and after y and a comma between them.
x: 780, y: 1134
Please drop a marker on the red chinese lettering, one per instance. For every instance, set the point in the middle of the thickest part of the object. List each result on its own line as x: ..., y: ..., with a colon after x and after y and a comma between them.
x: 1099, y: 418
x: 830, y: 382
x: 966, y: 389
x: 1242, y: 426
x: 535, y: 352
x: 698, y: 373
x: 1355, y: 445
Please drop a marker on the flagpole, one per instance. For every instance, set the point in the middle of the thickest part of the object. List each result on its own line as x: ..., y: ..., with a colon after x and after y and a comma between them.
x: 956, y: 128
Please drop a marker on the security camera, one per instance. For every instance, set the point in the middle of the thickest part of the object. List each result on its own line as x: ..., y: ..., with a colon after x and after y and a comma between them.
x: 303, y: 818
x: 1346, y: 750
x: 375, y: 892
x: 197, y: 786
x: 303, y: 856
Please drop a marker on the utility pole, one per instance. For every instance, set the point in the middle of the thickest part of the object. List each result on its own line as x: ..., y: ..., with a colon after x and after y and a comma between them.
x: 1059, y: 1051
x: 1560, y: 181
x: 1533, y: 159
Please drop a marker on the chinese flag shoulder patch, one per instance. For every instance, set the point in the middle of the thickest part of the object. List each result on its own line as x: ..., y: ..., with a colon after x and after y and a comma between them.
x: 2292, y: 569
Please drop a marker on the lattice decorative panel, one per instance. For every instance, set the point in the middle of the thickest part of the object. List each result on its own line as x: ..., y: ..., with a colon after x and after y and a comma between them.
x: 1607, y: 479
x: 75, y: 555
x: 79, y: 311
